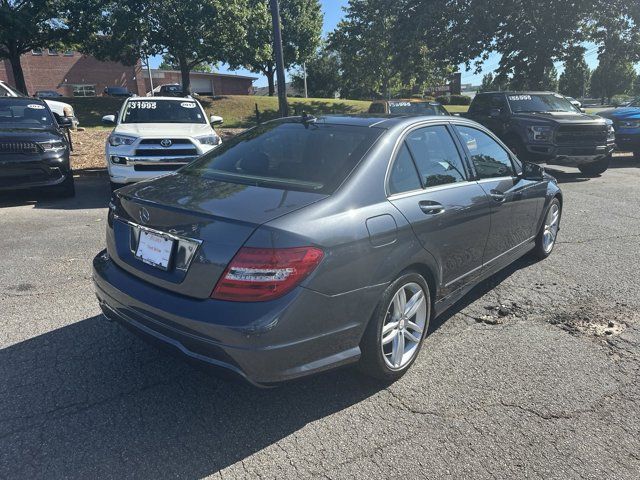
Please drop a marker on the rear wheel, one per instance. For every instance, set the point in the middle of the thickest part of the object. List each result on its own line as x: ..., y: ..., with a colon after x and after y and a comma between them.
x: 546, y: 238
x: 394, y: 335
x: 595, y: 168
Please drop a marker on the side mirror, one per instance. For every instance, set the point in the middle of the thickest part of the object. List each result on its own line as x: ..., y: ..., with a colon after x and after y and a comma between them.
x: 109, y: 119
x: 495, y: 112
x: 65, y: 122
x: 583, y: 110
x: 216, y: 120
x: 531, y: 171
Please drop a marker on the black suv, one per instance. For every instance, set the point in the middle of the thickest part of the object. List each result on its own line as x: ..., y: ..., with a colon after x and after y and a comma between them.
x: 34, y: 150
x: 544, y: 127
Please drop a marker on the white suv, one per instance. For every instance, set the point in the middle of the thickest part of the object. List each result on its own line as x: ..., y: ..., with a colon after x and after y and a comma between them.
x: 155, y: 136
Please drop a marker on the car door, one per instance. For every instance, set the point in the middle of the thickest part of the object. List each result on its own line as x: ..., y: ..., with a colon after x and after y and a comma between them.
x: 514, y: 200
x: 450, y: 215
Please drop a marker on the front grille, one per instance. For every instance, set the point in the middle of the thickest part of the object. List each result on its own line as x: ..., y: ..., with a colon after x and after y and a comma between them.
x: 158, y: 168
x: 19, y: 147
x: 174, y: 141
x: 581, y: 135
x: 166, y: 152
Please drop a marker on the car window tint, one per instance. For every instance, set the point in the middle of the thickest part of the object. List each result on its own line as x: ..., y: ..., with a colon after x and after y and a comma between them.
x: 404, y: 177
x: 436, y: 156
x: 489, y: 158
x: 480, y: 104
x: 289, y: 154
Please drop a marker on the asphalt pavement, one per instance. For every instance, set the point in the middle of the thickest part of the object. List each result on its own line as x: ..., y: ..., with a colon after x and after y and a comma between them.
x: 533, y: 375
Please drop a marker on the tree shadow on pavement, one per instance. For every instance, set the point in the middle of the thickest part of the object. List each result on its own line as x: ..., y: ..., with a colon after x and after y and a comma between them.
x: 90, y: 400
x: 480, y: 290
x: 91, y: 192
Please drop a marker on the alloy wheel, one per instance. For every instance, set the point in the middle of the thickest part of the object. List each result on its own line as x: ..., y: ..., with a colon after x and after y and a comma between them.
x: 403, y: 326
x: 550, y: 231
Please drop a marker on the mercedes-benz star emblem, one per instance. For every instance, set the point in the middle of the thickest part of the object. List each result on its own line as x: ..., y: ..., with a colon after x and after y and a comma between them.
x: 166, y: 143
x: 144, y: 215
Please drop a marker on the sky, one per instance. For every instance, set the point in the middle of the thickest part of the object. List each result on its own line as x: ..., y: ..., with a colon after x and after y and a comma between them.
x: 333, y: 13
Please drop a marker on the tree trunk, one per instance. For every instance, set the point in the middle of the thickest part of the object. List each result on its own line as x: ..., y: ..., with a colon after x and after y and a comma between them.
x: 18, y: 75
x: 185, y: 70
x: 270, y: 73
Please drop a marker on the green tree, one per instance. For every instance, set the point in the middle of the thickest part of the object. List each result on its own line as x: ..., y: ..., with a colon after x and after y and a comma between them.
x: 612, y: 77
x: 323, y: 75
x: 635, y: 91
x: 170, y: 63
x: 574, y: 80
x: 33, y: 25
x: 301, y: 30
x: 490, y: 84
x: 191, y: 32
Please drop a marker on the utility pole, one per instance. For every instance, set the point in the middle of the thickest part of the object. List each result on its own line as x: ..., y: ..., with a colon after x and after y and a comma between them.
x: 277, y: 48
x: 150, y: 77
x: 304, y: 69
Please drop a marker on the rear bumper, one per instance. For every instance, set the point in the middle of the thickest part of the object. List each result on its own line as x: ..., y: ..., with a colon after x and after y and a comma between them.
x: 302, y: 333
x: 36, y: 173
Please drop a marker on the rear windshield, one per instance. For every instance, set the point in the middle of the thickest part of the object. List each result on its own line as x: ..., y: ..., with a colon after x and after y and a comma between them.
x: 310, y: 157
x: 417, y: 108
x: 163, y: 111
x: 24, y: 113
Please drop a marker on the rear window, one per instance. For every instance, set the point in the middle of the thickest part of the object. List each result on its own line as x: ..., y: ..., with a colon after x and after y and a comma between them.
x: 417, y: 108
x: 310, y: 157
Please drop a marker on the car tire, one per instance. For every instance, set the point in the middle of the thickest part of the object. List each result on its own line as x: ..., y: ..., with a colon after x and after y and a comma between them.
x: 385, y: 361
x: 66, y: 189
x: 549, y: 230
x: 596, y: 168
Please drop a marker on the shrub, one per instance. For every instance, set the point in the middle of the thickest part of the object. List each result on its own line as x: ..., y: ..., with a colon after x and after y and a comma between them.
x: 454, y: 99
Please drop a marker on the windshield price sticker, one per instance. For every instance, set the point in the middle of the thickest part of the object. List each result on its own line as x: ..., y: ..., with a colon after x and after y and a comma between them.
x: 519, y: 97
x: 35, y: 106
x: 399, y: 104
x: 188, y: 105
x: 143, y: 105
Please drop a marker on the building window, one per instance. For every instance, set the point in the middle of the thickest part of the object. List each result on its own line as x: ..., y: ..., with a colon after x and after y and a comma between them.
x: 53, y: 51
x: 36, y: 51
x: 84, y: 90
x: 68, y: 53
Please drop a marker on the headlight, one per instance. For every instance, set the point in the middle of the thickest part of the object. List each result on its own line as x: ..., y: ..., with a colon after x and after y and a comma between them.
x: 611, y: 132
x: 209, y: 140
x: 117, y: 140
x: 540, y: 133
x: 67, y: 110
x: 630, y: 124
x: 53, y: 146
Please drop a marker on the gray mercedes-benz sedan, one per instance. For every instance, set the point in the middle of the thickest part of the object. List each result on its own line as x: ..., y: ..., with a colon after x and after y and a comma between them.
x: 308, y: 243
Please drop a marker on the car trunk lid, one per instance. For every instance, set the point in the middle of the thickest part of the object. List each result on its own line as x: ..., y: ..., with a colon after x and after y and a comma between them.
x: 207, y: 221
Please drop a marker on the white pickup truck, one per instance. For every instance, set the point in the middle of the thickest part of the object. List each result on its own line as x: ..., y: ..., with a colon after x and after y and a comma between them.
x: 155, y: 136
x: 61, y: 109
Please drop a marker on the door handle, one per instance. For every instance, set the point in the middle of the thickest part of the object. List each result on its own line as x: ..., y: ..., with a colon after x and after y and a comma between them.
x: 431, y: 208
x: 497, y: 195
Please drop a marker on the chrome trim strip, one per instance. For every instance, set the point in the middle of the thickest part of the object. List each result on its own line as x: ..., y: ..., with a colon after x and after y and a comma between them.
x: 495, y: 179
x: 489, y: 262
x: 412, y: 193
x: 157, y: 232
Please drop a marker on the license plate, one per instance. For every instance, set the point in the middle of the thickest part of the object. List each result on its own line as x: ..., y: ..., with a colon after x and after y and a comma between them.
x: 154, y: 249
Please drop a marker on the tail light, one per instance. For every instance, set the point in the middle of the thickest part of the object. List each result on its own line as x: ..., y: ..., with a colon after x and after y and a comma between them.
x: 259, y: 274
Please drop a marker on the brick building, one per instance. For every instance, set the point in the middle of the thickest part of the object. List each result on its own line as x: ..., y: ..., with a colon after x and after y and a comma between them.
x: 75, y: 74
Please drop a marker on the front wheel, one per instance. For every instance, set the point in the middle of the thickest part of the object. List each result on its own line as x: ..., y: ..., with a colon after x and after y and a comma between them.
x: 546, y: 238
x: 394, y: 335
x: 596, y: 168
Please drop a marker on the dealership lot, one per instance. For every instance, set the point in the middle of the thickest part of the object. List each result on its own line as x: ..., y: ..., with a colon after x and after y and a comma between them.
x: 535, y: 374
